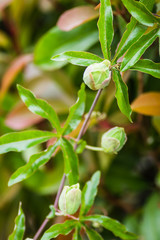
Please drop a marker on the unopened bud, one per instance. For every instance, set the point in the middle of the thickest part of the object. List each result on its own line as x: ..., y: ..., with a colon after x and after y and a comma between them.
x: 97, y: 75
x: 70, y: 199
x: 113, y: 140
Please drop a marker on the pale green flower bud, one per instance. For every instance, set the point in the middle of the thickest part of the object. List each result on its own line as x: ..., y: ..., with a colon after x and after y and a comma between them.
x: 113, y: 140
x: 70, y: 199
x: 97, y: 75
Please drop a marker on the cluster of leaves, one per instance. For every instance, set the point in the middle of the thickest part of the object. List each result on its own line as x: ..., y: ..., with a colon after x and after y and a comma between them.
x: 142, y: 30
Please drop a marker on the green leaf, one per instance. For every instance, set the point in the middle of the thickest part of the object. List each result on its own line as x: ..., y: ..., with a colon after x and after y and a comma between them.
x: 140, y: 12
x: 19, y: 227
x: 105, y: 25
x: 92, y: 234
x: 114, y: 226
x: 78, y: 58
x: 39, y: 107
x: 149, y: 227
x: 70, y: 161
x: 137, y: 49
x: 89, y: 193
x: 133, y: 32
x: 122, y: 94
x: 52, y: 212
x: 20, y: 141
x: 76, y: 235
x: 56, y: 41
x: 76, y: 112
x: 60, y: 228
x: 147, y: 66
x: 36, y: 160
x: 81, y: 146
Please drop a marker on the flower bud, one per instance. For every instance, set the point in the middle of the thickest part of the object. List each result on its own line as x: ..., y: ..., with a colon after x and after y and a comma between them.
x: 70, y: 199
x: 113, y: 140
x: 97, y: 75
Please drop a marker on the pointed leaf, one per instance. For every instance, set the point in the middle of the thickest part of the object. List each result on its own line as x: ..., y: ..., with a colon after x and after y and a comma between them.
x: 105, y: 25
x: 133, y: 32
x: 78, y: 58
x: 89, y: 193
x: 147, y: 104
x: 114, y: 226
x: 137, y: 49
x: 92, y: 234
x: 76, y: 235
x: 122, y: 94
x: 36, y: 160
x: 19, y: 227
x: 140, y: 12
x: 75, y: 112
x: 147, y: 66
x: 60, y: 228
x: 70, y: 161
x: 39, y: 107
x: 56, y: 41
x: 20, y: 141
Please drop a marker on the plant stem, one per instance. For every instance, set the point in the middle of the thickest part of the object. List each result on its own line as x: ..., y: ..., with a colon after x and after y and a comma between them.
x: 92, y: 148
x: 81, y: 133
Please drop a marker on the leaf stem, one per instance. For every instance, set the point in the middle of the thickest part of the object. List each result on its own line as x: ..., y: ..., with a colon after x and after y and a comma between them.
x: 94, y: 148
x: 81, y: 133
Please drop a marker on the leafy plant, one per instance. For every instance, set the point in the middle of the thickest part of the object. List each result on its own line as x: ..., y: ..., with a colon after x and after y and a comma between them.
x: 142, y: 30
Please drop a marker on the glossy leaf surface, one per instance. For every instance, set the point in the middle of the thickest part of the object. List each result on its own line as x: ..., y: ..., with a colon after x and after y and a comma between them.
x: 70, y: 161
x: 114, y: 226
x: 19, y: 227
x: 56, y: 41
x: 75, y: 112
x: 137, y: 49
x: 39, y: 107
x: 147, y: 104
x: 89, y: 193
x: 20, y: 141
x: 147, y: 66
x: 133, y: 32
x: 78, y: 58
x: 36, y: 160
x: 57, y: 229
x: 92, y: 234
x: 105, y: 25
x: 122, y: 94
x: 140, y: 12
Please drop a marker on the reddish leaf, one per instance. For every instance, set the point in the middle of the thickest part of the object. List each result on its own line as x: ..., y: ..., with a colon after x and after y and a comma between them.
x: 16, y: 66
x: 76, y: 16
x: 147, y: 104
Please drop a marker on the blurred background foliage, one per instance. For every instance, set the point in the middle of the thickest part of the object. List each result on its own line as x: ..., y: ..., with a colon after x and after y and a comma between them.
x: 31, y: 32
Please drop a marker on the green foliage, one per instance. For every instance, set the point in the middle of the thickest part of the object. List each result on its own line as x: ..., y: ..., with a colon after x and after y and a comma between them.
x: 57, y: 229
x: 70, y: 161
x: 105, y: 25
x: 137, y: 49
x: 89, y: 193
x: 56, y: 41
x: 76, y: 112
x: 117, y: 228
x: 78, y: 58
x: 140, y: 12
x: 19, y: 228
x: 19, y: 141
x: 39, y: 106
x: 92, y: 234
x: 34, y: 163
x: 147, y: 66
x: 122, y: 94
